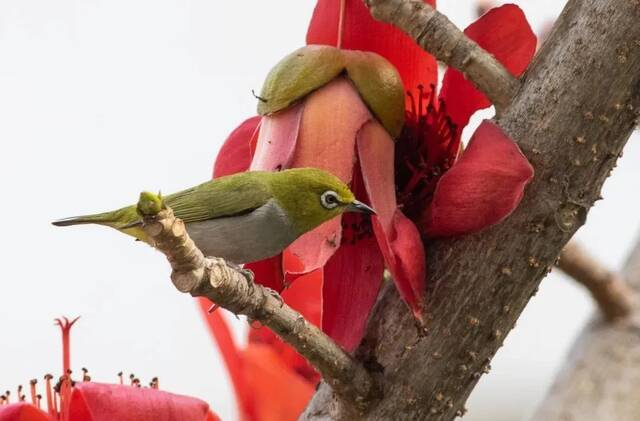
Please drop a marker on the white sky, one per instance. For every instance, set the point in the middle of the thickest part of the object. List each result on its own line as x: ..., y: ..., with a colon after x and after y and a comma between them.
x: 102, y: 99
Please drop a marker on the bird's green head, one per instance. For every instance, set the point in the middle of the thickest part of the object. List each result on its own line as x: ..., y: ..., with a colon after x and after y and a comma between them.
x: 311, y: 196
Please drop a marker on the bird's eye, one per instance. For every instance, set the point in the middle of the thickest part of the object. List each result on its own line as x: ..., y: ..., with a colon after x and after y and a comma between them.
x: 329, y: 199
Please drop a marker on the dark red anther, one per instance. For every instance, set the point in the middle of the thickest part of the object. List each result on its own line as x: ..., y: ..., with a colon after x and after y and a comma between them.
x: 51, y: 407
x: 32, y: 387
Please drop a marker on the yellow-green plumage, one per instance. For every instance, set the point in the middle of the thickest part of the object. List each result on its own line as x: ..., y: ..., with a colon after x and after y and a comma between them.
x: 251, y: 215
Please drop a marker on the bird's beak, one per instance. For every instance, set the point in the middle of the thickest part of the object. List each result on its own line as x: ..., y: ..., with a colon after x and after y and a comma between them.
x: 357, y: 206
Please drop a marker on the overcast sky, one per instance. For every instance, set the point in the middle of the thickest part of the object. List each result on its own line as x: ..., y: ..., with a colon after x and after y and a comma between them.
x: 102, y: 99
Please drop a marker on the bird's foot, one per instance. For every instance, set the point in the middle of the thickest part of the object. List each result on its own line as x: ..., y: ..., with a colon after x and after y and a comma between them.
x: 250, y: 277
x: 248, y: 274
x: 275, y: 295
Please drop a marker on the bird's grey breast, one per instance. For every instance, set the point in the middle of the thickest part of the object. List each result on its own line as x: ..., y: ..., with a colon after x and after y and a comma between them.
x: 261, y: 233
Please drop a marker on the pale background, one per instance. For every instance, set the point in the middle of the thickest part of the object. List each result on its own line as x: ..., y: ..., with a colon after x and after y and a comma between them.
x: 102, y: 99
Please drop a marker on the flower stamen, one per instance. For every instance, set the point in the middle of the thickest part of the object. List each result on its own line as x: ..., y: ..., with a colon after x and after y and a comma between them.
x: 65, y: 327
x: 341, y: 23
x: 32, y: 390
x: 51, y: 409
x: 426, y: 149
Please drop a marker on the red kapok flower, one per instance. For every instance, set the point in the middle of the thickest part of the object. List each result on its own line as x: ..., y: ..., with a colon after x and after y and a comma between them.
x: 490, y: 184
x: 320, y: 113
x: 69, y: 400
x: 337, y: 110
x: 272, y: 382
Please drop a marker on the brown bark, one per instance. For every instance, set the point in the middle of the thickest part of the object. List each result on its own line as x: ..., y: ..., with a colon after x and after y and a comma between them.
x: 601, y: 379
x: 571, y: 117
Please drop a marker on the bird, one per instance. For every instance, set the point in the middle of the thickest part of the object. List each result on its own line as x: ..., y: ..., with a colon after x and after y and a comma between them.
x: 248, y: 216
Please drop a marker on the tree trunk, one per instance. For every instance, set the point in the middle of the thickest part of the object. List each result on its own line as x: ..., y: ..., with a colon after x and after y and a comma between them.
x: 601, y: 379
x: 572, y: 116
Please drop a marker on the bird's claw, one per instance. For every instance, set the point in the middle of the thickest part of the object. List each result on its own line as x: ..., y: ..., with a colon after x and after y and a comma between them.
x: 275, y: 295
x: 248, y: 274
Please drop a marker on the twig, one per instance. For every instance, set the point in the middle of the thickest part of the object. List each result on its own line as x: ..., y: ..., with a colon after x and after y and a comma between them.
x: 233, y: 289
x: 610, y: 291
x: 435, y: 34
x: 601, y: 368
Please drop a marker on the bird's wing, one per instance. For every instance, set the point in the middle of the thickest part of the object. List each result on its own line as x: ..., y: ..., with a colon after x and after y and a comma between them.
x: 225, y: 196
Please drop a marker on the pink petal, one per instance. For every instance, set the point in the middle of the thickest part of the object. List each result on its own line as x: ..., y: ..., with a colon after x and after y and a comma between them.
x: 376, y: 155
x: 107, y: 402
x: 505, y: 33
x: 332, y: 117
x: 277, y: 140
x: 482, y: 188
x: 235, y: 154
x: 352, y: 280
x: 22, y: 411
x: 362, y: 32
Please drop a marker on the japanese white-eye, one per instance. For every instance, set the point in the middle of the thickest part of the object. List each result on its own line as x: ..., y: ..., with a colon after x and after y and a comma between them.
x: 247, y: 216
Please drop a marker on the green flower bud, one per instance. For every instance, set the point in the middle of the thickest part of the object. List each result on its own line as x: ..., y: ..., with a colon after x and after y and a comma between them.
x: 311, y: 67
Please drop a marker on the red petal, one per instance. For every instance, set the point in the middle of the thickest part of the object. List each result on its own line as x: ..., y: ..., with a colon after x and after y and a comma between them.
x: 397, y: 236
x: 235, y: 154
x: 304, y: 296
x: 352, y: 277
x: 362, y: 32
x: 230, y: 354
x: 482, y: 188
x: 23, y: 412
x: 332, y: 117
x: 351, y: 283
x: 505, y: 33
x: 268, y: 272
x: 277, y: 140
x: 404, y: 254
x: 376, y: 155
x: 279, y: 393
x: 106, y: 402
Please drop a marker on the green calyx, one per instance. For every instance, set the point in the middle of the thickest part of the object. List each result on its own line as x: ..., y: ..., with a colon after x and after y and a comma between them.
x: 311, y: 67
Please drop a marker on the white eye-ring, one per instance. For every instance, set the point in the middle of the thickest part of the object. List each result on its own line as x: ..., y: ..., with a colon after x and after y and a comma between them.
x: 329, y: 199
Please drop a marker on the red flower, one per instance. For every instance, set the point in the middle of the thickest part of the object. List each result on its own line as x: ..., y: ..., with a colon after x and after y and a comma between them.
x: 335, y: 125
x: 88, y: 401
x: 490, y: 184
x: 271, y: 381
x: 339, y: 127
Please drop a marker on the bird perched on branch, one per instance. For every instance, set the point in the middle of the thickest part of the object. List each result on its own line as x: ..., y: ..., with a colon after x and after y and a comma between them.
x: 248, y: 216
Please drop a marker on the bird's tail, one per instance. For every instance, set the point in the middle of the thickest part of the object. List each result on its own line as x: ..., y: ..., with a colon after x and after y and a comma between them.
x: 98, y: 218
x: 125, y: 220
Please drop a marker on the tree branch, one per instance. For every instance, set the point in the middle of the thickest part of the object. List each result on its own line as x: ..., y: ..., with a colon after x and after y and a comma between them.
x: 571, y: 117
x: 235, y: 290
x: 601, y: 375
x: 614, y: 296
x: 435, y: 33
